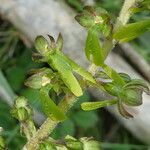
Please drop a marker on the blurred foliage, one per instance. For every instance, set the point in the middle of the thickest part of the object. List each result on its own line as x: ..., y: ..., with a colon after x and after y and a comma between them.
x: 15, y: 60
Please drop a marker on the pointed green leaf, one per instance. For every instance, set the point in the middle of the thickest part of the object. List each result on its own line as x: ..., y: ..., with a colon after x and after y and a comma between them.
x: 132, y: 30
x: 93, y: 49
x: 71, y: 83
x: 123, y: 111
x: 65, y: 71
x: 49, y: 107
x: 87, y: 106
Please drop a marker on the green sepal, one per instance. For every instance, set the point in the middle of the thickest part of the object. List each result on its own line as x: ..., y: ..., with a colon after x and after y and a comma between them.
x: 131, y: 31
x: 123, y: 111
x: 112, y: 88
x: 85, y: 20
x: 93, y: 49
x: 38, y: 58
x: 49, y: 107
x: 138, y: 84
x: 125, y: 77
x: 59, y: 43
x: 87, y: 106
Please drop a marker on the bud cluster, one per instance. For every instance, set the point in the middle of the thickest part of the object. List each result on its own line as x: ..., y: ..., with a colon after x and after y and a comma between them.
x: 23, y: 113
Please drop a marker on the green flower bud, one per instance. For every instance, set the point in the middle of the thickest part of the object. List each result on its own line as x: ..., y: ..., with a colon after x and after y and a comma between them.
x: 95, y: 16
x: 41, y: 45
x: 131, y: 97
x: 21, y: 114
x: 21, y: 101
x: 21, y: 110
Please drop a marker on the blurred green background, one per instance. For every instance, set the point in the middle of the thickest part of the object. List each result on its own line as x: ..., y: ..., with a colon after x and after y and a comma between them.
x: 100, y: 124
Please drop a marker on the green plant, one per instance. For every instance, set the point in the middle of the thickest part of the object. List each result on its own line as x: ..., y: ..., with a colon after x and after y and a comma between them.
x: 58, y: 87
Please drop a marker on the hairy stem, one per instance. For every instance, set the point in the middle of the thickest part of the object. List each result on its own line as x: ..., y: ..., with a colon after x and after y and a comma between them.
x: 123, y: 19
x: 125, y: 13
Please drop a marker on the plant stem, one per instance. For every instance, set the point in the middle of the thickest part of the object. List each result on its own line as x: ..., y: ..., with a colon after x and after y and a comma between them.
x: 123, y: 19
x: 125, y: 13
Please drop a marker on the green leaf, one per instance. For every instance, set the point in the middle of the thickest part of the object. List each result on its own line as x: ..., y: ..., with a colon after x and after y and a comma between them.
x: 87, y: 106
x: 81, y: 71
x: 49, y: 107
x: 93, y: 49
x: 85, y: 119
x: 65, y: 70
x: 132, y: 30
